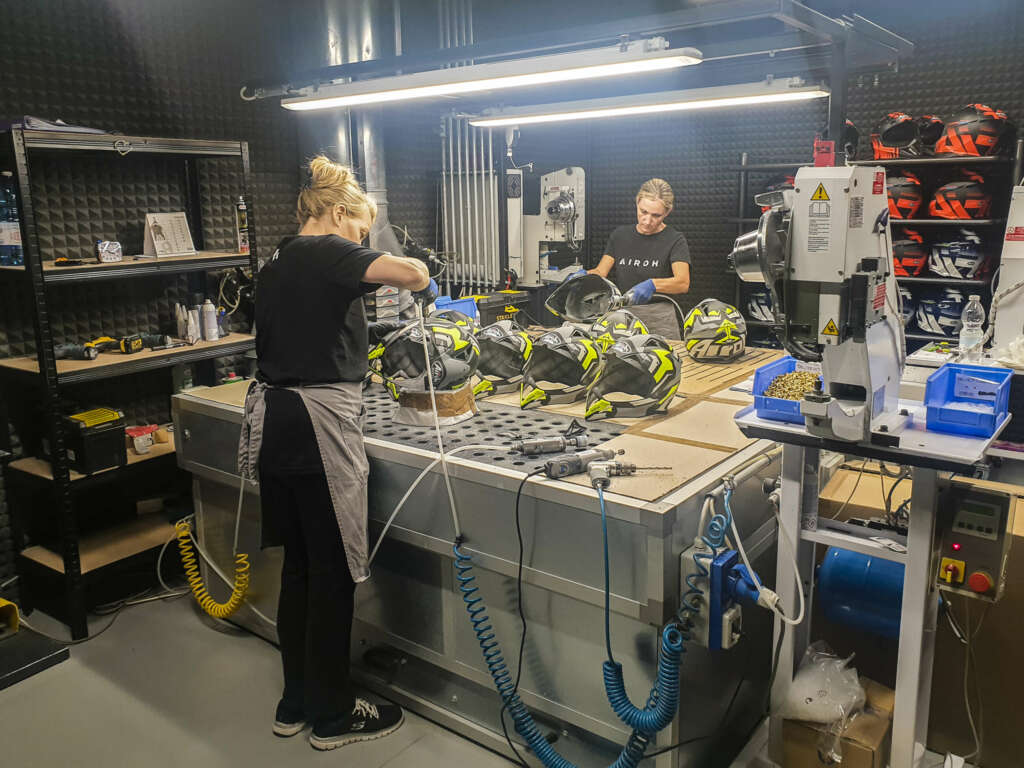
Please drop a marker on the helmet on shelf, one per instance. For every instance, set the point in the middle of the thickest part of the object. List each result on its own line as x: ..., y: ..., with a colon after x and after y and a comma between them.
x: 960, y: 258
x: 939, y: 311
x: 851, y: 140
x: 976, y: 130
x: 454, y: 355
x: 930, y: 129
x: 616, y: 325
x: 909, y: 253
x: 905, y: 196
x: 896, y: 136
x: 962, y: 199
x: 759, y: 305
x: 714, y: 332
x: 563, y: 364
x: 643, y: 367
x: 505, y: 348
x: 460, y: 319
x: 908, y: 305
x: 777, y: 184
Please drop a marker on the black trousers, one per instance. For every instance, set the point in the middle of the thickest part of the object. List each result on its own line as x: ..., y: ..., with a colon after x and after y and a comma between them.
x: 314, y: 614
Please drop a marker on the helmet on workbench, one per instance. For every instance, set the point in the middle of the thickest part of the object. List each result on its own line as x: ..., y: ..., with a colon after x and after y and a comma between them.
x: 939, y: 311
x: 714, y: 332
x: 642, y: 367
x: 961, y: 258
x: 904, y: 192
x: 976, y: 130
x: 454, y: 354
x: 460, y: 319
x: 583, y: 299
x: 563, y: 364
x: 613, y: 326
x: 505, y: 348
x: 909, y: 253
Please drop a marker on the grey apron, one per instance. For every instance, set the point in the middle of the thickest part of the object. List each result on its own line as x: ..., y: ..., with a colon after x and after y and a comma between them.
x: 659, y: 317
x: 337, y: 413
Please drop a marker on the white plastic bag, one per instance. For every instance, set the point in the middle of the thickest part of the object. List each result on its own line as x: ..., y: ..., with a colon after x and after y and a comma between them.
x: 825, y: 689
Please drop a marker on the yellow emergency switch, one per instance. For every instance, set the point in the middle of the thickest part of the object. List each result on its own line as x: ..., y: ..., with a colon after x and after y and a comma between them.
x: 952, y: 571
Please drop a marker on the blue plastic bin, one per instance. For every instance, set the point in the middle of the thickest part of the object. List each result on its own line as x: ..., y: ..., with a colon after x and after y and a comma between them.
x: 967, y: 399
x: 775, y: 408
x: 465, y: 306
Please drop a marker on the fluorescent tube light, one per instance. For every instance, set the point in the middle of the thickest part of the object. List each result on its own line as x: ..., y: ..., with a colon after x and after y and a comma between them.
x: 776, y: 92
x: 636, y: 57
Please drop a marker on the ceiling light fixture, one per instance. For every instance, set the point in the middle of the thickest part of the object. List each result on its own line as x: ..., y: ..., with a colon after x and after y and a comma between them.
x: 749, y: 94
x: 632, y: 58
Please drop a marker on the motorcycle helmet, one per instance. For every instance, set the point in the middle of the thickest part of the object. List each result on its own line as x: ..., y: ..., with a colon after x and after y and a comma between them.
x: 459, y: 318
x: 851, y: 140
x: 976, y: 131
x: 759, y: 305
x: 909, y: 253
x: 960, y: 258
x: 896, y: 136
x: 779, y: 183
x: 962, y: 199
x: 908, y: 305
x: 939, y: 311
x: 583, y: 299
x: 454, y: 356
x: 930, y: 129
x: 645, y: 368
x: 505, y: 348
x: 614, y: 326
x: 714, y: 332
x: 905, y: 197
x: 563, y: 364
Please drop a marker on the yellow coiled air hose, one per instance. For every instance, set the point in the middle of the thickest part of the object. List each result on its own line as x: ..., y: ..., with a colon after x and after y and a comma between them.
x: 195, y: 581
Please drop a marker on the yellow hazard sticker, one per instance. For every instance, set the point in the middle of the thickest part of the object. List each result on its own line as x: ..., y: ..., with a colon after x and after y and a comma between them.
x: 820, y: 193
x: 830, y: 329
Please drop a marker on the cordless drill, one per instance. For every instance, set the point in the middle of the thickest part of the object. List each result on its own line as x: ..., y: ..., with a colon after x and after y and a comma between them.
x: 577, y: 463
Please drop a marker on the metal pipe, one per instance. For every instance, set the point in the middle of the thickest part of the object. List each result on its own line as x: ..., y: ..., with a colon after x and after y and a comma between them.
x: 397, y: 6
x: 444, y: 203
x: 461, y: 202
x: 493, y: 188
x: 451, y: 246
x: 477, y: 253
x: 469, y: 24
x: 464, y: 211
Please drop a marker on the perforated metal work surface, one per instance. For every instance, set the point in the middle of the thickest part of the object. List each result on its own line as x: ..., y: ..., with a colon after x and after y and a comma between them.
x: 493, y: 425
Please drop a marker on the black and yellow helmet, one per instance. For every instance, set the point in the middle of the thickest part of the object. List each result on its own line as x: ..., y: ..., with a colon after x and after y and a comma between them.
x: 454, y: 356
x: 613, y: 326
x: 563, y: 364
x: 715, y: 332
x: 460, y: 319
x: 505, y: 348
x: 638, y: 377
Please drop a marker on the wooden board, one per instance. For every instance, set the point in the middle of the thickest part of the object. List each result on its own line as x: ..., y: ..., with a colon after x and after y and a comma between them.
x: 41, y: 467
x: 705, y: 422
x: 113, y: 359
x: 704, y: 378
x: 733, y: 397
x: 686, y: 461
x: 110, y: 545
x: 132, y: 261
x: 228, y: 394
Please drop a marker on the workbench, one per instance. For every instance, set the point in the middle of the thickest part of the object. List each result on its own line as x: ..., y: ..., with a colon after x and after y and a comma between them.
x: 412, y: 640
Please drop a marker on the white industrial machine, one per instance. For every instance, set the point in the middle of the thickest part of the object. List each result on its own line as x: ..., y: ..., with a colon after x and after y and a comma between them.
x: 824, y: 251
x: 544, y: 247
x: 1011, y: 272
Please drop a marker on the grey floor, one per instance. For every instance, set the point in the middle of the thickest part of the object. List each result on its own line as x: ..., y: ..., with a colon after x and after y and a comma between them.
x: 161, y: 688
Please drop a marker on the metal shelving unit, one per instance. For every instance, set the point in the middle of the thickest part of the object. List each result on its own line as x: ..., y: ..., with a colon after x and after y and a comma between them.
x: 945, y: 222
x: 919, y: 336
x: 943, y: 281
x: 45, y: 371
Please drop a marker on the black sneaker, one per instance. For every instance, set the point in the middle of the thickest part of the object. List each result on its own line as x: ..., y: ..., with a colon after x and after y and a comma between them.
x: 367, y: 722
x: 288, y: 720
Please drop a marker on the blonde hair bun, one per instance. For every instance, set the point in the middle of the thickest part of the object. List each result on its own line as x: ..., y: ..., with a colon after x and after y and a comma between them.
x: 332, y: 184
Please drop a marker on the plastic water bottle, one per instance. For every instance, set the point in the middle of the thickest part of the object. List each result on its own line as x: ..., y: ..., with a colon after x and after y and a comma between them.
x: 971, y: 334
x: 11, y: 253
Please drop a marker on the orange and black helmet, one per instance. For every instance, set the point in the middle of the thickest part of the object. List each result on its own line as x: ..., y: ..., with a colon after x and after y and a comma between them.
x: 896, y: 136
x: 976, y: 131
x: 930, y: 129
x: 909, y: 254
x: 962, y: 199
x: 905, y: 196
x: 851, y: 140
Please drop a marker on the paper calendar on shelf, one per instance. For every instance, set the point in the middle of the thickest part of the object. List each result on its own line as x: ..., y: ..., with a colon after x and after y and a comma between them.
x: 167, y: 235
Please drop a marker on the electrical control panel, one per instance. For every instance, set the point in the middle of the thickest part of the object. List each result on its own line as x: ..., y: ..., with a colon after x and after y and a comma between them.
x: 977, y: 529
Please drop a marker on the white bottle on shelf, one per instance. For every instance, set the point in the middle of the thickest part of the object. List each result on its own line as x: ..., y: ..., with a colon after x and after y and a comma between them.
x: 971, y: 333
x: 209, y: 321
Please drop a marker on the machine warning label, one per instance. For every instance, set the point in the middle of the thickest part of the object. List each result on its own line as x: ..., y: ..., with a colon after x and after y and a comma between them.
x: 878, y: 188
x: 1015, y: 234
x: 856, y: 212
x: 820, y: 193
x: 879, y: 301
x: 830, y: 329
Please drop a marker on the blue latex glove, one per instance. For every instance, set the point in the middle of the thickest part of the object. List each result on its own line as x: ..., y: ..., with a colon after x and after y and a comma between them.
x: 577, y: 273
x: 641, y: 293
x: 426, y: 295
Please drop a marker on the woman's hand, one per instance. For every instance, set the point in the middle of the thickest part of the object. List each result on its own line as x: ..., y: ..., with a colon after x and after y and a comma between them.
x: 399, y: 272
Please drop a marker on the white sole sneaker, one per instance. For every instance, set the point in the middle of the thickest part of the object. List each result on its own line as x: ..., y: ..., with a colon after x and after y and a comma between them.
x: 333, y: 742
x: 288, y: 729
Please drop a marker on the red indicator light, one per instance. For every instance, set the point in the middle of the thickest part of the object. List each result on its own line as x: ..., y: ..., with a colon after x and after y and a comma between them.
x: 956, y: 547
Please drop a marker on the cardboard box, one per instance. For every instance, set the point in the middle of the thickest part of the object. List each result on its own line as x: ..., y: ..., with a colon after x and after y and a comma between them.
x: 864, y: 744
x: 867, y: 499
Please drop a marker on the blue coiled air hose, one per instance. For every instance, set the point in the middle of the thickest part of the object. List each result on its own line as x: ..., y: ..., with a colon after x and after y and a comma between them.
x: 713, y: 537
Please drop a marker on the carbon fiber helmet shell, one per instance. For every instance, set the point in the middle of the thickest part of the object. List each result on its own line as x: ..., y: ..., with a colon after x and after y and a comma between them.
x: 454, y: 356
x: 905, y: 195
x: 715, y: 332
x: 616, y: 325
x: 909, y: 253
x: 459, y: 318
x: 961, y: 258
x: 962, y: 199
x: 977, y: 130
x: 643, y: 367
x: 939, y: 311
x: 563, y: 364
x: 505, y: 349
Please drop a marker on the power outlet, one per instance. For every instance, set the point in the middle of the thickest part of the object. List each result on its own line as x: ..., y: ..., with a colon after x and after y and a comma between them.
x: 700, y: 631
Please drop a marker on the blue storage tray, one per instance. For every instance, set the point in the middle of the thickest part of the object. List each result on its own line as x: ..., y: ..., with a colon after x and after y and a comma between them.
x: 967, y: 399
x: 775, y: 408
x: 465, y: 306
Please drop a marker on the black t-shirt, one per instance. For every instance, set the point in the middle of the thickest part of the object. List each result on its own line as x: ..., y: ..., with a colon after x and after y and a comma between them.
x: 642, y: 257
x: 310, y: 320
